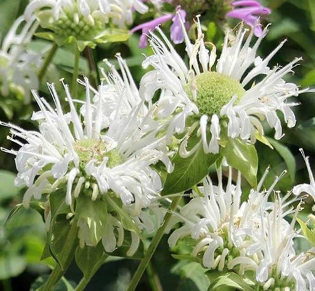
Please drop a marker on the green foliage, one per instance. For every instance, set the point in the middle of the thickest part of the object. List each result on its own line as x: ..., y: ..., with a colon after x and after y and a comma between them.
x: 188, y: 171
x: 307, y: 232
x: 89, y: 259
x: 92, y: 219
x: 242, y: 156
x: 192, y: 276
x: 8, y: 189
x: 62, y: 285
x: 228, y: 282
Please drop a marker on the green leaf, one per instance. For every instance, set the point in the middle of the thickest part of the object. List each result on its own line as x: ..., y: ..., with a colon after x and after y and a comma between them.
x: 89, y: 259
x: 92, y: 219
x: 8, y: 13
x: 8, y: 189
x: 308, y: 233
x: 62, y: 234
x: 62, y: 285
x: 243, y: 157
x: 228, y: 281
x: 190, y: 171
x: 286, y: 155
x: 192, y: 276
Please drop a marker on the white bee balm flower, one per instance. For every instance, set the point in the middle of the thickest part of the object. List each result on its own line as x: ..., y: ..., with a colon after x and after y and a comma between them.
x: 221, y: 224
x: 237, y: 95
x: 280, y: 268
x: 19, y: 65
x: 86, y: 21
x: 88, y: 154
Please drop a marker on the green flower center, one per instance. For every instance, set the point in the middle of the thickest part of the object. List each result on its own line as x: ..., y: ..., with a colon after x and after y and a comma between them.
x: 214, y: 90
x: 89, y: 149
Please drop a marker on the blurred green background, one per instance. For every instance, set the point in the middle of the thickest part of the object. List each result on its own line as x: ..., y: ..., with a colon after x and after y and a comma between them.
x: 22, y: 239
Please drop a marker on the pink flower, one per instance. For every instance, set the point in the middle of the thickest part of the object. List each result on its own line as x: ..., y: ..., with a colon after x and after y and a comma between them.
x: 249, y: 11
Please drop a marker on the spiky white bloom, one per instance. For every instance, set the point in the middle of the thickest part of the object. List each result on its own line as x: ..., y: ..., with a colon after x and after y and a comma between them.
x: 19, y: 65
x: 86, y: 21
x: 279, y: 265
x: 221, y: 224
x: 233, y: 91
x: 307, y: 188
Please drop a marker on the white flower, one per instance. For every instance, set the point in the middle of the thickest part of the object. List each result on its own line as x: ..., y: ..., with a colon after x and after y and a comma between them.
x: 19, y: 65
x: 307, y: 188
x: 221, y: 224
x: 279, y: 266
x: 238, y: 95
x: 87, y: 153
x: 86, y: 21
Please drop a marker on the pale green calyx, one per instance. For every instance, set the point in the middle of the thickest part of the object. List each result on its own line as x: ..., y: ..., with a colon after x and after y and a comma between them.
x: 213, y: 91
x: 92, y: 149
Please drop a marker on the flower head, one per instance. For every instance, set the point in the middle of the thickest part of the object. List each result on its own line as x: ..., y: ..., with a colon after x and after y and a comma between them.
x: 176, y: 30
x: 95, y: 156
x: 85, y: 21
x: 232, y: 98
x: 249, y: 12
x: 221, y: 224
x: 19, y: 65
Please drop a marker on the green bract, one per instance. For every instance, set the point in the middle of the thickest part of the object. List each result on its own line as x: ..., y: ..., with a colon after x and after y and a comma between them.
x: 73, y: 27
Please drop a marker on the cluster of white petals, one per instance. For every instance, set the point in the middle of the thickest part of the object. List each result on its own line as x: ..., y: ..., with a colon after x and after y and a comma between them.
x: 105, y: 148
x: 259, y: 91
x: 249, y: 236
x: 19, y: 64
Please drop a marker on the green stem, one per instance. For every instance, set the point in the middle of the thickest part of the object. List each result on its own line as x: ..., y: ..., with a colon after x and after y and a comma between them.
x: 92, y: 57
x: 74, y: 87
x: 154, y: 244
x: 312, y: 11
x: 154, y: 278
x: 48, y: 60
x: 85, y: 280
x: 67, y: 254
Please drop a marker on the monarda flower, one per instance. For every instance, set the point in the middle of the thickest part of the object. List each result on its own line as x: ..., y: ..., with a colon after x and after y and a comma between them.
x: 231, y: 99
x: 19, y: 65
x: 87, y: 22
x: 99, y: 162
x: 279, y: 266
x: 221, y: 224
x: 249, y: 11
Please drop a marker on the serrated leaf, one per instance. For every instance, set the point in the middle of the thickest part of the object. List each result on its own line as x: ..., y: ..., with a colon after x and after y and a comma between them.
x: 188, y: 171
x: 92, y: 219
x: 286, y: 155
x: 243, y: 157
x: 308, y: 233
x: 89, y: 259
x: 228, y: 281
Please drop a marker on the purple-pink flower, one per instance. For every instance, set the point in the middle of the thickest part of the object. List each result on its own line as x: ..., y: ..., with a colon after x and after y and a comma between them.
x: 177, y: 34
x: 249, y: 11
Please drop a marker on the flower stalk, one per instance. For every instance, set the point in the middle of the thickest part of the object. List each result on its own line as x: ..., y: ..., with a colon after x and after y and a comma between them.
x: 74, y: 86
x: 47, y: 62
x: 153, y: 246
x: 68, y: 254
